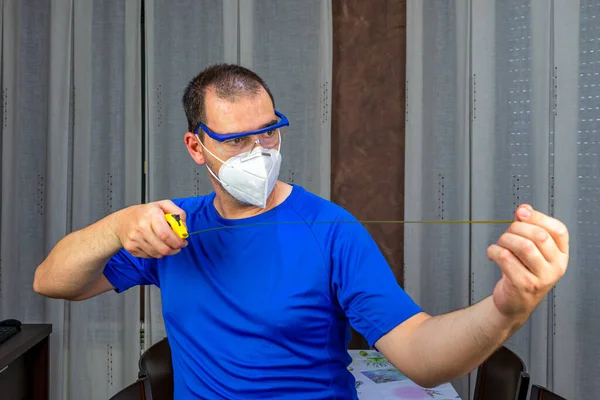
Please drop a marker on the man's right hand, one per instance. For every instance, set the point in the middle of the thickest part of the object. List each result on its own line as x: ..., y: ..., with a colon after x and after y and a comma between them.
x: 144, y: 232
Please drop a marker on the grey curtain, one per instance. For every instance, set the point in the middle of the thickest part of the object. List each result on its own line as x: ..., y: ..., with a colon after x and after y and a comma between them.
x: 289, y: 44
x: 436, y: 257
x: 106, y: 161
x: 502, y: 111
x: 182, y: 38
x: 286, y: 42
x: 71, y: 154
x: 34, y: 180
x: 575, y: 342
x: 72, y: 143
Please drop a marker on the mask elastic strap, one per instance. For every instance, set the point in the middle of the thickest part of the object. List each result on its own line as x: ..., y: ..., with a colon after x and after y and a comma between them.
x: 207, y: 167
x: 209, y: 152
x: 280, y: 140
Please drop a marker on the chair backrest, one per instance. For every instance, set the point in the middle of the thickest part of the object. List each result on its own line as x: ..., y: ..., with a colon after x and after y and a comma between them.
x: 156, y: 368
x: 503, y: 376
x: 135, y: 391
x: 541, y: 393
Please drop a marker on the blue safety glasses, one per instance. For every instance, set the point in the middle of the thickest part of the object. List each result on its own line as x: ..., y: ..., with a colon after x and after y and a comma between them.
x: 269, y: 130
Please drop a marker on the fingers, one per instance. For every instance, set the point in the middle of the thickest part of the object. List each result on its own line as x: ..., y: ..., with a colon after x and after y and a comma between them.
x: 525, y: 250
x: 155, y: 248
x: 146, y: 249
x: 510, y: 265
x: 533, y: 255
x: 164, y: 234
x: 522, y: 280
x: 557, y: 230
x: 168, y: 207
x: 147, y: 232
x: 530, y: 250
x: 147, y: 241
x: 538, y: 236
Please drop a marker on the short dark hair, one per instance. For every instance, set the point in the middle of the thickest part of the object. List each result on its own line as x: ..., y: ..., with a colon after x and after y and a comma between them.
x: 230, y: 82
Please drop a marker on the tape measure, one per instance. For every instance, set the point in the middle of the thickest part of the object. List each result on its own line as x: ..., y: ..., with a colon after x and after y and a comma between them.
x: 177, y: 225
x: 179, y: 228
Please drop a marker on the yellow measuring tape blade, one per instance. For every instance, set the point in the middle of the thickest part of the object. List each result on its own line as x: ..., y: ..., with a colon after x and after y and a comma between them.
x: 434, y: 221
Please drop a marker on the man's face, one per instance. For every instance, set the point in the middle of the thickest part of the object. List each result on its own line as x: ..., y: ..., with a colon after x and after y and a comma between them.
x: 244, y: 114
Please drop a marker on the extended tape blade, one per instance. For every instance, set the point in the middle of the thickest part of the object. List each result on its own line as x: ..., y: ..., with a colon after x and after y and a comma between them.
x: 436, y: 222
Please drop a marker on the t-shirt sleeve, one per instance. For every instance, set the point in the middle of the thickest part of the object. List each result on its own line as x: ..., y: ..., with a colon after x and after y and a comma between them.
x: 365, y: 285
x: 124, y: 271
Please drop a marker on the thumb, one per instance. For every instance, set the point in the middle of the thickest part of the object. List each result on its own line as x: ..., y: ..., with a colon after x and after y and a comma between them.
x: 168, y: 207
x: 523, y: 212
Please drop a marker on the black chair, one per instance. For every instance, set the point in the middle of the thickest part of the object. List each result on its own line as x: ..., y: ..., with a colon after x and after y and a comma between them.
x: 541, y: 393
x: 155, y: 377
x: 156, y: 371
x: 135, y: 391
x: 503, y: 376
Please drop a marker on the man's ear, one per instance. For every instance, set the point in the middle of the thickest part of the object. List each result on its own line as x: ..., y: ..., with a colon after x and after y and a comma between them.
x: 192, y: 143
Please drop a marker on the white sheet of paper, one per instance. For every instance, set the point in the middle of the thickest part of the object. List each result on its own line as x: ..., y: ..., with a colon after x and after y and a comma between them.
x: 377, y: 379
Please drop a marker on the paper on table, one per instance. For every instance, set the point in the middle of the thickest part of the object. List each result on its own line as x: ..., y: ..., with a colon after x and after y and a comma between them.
x: 377, y: 379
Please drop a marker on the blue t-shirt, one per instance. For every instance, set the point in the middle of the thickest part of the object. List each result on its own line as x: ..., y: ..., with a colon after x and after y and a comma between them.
x: 261, y: 309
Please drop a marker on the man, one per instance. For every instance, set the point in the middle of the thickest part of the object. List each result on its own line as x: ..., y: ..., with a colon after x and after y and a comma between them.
x: 255, y: 309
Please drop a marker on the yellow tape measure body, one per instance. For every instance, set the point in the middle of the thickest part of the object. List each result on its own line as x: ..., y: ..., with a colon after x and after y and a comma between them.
x: 177, y: 225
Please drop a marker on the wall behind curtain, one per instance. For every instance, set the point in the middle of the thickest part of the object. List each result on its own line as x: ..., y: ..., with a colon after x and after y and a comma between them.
x: 70, y: 122
x: 503, y: 107
x: 287, y: 43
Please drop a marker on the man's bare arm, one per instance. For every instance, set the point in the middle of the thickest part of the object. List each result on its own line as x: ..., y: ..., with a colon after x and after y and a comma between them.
x: 73, y: 269
x: 75, y: 264
x: 532, y: 255
x: 433, y: 350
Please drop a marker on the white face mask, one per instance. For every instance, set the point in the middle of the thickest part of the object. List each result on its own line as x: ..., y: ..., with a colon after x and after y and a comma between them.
x: 251, y: 176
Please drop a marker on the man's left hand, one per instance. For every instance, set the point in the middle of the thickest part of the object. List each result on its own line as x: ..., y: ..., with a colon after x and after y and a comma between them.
x: 533, y: 255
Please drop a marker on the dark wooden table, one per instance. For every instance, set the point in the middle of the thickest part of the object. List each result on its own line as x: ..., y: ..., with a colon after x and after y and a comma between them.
x: 24, y: 364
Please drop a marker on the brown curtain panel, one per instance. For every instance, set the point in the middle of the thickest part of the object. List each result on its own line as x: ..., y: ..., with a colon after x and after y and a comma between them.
x: 368, y: 115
